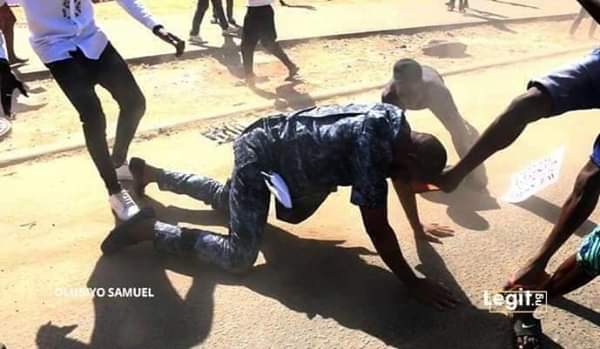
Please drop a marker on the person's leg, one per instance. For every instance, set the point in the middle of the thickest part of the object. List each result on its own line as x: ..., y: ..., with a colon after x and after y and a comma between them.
x: 569, y: 276
x: 569, y: 88
x: 8, y: 29
x: 218, y: 11
x: 593, y: 27
x: 78, y: 85
x: 268, y: 38
x: 576, y: 271
x: 201, y: 8
x: 248, y: 209
x: 236, y: 252
x: 249, y: 40
x: 577, y: 208
x: 114, y: 75
x: 577, y: 21
x: 198, y: 187
x: 230, y: 12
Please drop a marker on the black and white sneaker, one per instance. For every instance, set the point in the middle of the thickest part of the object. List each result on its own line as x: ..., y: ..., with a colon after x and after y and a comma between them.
x: 123, y: 205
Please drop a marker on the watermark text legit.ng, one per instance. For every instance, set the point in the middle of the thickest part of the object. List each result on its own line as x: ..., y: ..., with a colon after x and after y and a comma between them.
x: 520, y: 301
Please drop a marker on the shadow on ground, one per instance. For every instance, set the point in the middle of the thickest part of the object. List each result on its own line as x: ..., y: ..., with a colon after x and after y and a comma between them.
x: 464, y: 206
x: 551, y: 212
x: 309, y: 276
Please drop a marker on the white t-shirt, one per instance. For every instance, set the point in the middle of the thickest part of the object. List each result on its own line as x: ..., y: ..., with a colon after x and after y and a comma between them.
x: 60, y: 26
x: 256, y: 3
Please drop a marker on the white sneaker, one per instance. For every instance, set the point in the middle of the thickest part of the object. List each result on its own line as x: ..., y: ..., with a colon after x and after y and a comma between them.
x: 196, y: 39
x: 123, y: 173
x: 230, y: 31
x: 123, y: 205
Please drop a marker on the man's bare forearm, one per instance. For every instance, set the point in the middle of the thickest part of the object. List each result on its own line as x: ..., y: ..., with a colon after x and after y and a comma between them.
x: 388, y: 248
x: 409, y: 204
x: 578, y: 207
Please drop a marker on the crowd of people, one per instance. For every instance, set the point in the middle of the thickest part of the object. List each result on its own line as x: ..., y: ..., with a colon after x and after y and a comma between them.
x: 301, y: 157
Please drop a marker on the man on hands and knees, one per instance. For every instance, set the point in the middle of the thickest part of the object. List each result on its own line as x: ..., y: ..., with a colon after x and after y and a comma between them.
x: 417, y: 87
x: 302, y: 157
x: 79, y: 56
x: 577, y: 270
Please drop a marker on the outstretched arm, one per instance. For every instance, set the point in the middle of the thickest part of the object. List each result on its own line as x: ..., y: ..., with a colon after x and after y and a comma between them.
x: 578, y: 207
x: 523, y: 110
x: 383, y: 237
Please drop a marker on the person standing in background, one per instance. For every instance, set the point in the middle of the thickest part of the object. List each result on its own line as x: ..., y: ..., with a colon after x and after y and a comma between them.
x: 201, y: 8
x: 229, y: 12
x: 462, y: 5
x: 259, y: 25
x: 7, y: 26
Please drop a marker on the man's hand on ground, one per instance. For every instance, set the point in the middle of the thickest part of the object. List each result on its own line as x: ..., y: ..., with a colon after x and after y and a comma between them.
x: 432, y: 293
x: 530, y: 277
x: 171, y: 39
x: 433, y: 233
x: 8, y: 84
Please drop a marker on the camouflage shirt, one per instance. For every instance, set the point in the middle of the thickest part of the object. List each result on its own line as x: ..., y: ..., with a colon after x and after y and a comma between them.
x: 317, y: 149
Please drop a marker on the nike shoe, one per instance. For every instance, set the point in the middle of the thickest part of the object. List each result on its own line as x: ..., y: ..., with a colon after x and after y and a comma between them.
x: 123, y: 205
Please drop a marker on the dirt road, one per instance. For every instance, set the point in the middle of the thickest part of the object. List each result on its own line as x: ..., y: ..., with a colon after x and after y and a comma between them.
x: 316, y: 285
x: 207, y: 86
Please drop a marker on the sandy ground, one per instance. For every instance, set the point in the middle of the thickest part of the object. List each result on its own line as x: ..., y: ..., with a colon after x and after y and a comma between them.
x: 316, y: 285
x: 211, y: 85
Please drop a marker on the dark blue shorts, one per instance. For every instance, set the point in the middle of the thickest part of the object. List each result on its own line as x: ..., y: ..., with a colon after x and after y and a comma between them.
x: 575, y: 86
x: 595, y: 157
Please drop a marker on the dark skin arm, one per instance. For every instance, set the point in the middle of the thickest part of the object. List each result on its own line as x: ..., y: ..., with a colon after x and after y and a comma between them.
x: 578, y: 207
x: 523, y: 110
x: 408, y: 199
x: 384, y: 239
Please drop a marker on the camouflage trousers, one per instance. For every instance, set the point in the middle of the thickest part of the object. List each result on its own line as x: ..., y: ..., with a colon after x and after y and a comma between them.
x: 244, y: 197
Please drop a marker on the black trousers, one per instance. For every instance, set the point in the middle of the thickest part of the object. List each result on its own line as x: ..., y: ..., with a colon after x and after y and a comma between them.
x: 461, y: 3
x: 259, y: 26
x: 77, y: 77
x: 229, y: 11
x: 201, y: 8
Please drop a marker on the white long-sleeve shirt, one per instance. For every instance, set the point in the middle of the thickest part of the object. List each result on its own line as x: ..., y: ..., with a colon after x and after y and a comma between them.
x: 256, y: 3
x: 60, y: 26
